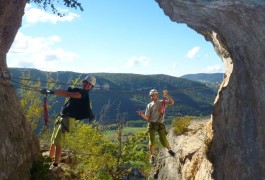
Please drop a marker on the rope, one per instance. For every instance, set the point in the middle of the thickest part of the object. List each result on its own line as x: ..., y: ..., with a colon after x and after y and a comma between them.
x: 118, y: 91
x: 112, y: 90
x: 48, y: 82
x: 45, y: 108
x: 25, y: 86
x: 163, y: 106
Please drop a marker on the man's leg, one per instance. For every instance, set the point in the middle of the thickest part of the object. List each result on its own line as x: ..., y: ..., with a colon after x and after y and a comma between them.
x: 52, y: 151
x: 163, y: 139
x: 152, y: 141
x: 55, y: 133
x: 56, y: 141
x: 152, y: 144
x: 58, y: 154
x: 58, y: 138
x: 152, y: 149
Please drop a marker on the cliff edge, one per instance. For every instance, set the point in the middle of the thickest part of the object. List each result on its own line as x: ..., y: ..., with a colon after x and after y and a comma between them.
x: 191, y: 160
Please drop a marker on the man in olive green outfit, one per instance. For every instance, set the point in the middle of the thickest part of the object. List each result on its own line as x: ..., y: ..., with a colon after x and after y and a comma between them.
x: 154, y: 114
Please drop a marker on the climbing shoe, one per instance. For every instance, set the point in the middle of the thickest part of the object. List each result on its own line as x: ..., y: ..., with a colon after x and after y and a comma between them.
x: 172, y: 153
x: 53, y: 166
x: 152, y: 159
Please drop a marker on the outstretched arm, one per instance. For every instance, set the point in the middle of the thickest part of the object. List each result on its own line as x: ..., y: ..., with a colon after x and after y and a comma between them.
x: 170, y: 100
x: 64, y: 93
x: 145, y: 117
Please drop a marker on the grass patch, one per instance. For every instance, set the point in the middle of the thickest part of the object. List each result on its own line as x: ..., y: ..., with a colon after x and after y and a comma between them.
x: 111, y: 134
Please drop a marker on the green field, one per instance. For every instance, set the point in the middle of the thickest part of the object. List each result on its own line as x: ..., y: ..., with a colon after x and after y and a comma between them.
x: 125, y: 132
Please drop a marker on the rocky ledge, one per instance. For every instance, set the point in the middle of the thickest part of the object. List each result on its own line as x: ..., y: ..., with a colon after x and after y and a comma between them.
x: 191, y: 160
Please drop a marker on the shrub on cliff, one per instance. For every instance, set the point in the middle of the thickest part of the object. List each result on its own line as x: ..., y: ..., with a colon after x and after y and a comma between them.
x: 180, y: 124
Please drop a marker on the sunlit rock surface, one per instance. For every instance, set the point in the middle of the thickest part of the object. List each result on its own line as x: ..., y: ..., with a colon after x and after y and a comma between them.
x: 237, y: 31
x: 191, y: 150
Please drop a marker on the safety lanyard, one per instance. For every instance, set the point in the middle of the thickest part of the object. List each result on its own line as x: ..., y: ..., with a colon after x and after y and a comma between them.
x: 163, y: 106
x: 45, y: 110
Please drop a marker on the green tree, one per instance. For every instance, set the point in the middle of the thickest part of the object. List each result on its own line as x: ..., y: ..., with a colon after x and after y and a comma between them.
x: 31, y: 99
x: 53, y: 4
x: 92, y: 150
x: 100, y: 158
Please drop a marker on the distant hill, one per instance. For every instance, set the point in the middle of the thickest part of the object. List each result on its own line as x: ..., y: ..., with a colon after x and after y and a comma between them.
x: 205, y: 78
x: 125, y: 93
x: 212, y: 81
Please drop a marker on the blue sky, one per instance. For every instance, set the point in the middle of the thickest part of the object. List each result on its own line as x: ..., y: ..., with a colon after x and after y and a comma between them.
x: 129, y: 36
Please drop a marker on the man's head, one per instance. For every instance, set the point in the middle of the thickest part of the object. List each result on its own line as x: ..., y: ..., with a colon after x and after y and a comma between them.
x: 153, y: 94
x: 89, y: 82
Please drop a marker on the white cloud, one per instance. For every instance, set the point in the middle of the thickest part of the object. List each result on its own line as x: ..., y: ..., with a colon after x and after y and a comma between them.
x: 28, y: 44
x: 193, y: 52
x: 35, y: 15
x: 39, y: 53
x: 137, y: 61
x: 174, y: 65
x: 218, y: 68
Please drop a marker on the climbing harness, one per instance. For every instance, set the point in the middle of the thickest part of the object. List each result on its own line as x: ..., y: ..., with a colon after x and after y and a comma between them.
x: 63, y: 121
x: 156, y: 126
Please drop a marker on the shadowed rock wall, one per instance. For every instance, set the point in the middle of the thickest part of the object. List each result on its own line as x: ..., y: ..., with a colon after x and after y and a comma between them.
x: 237, y: 32
x: 18, y: 145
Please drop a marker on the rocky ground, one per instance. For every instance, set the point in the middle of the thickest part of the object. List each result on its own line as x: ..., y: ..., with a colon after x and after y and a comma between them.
x: 67, y: 168
x: 191, y: 160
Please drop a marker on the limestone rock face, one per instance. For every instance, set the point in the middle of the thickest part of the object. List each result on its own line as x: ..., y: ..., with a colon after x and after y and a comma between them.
x: 237, y: 31
x: 191, y: 150
x: 18, y: 146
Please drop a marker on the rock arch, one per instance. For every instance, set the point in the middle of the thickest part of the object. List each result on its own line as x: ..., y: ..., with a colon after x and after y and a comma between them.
x: 237, y: 31
x: 235, y: 28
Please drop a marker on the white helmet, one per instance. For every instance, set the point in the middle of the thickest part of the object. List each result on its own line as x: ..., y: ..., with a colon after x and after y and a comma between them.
x: 91, y: 80
x: 153, y: 91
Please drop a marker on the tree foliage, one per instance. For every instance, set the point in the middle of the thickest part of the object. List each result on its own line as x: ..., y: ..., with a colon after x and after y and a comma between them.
x: 100, y: 158
x: 31, y: 100
x: 53, y: 5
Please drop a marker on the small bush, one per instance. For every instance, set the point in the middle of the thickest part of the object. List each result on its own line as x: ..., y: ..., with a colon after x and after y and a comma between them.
x: 181, y: 124
x: 40, y: 168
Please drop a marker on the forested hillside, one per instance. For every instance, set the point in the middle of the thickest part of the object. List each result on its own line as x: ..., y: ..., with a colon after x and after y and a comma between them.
x: 123, y: 94
x: 205, y: 77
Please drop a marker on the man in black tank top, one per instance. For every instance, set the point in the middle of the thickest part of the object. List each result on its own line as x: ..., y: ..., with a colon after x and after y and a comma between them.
x: 77, y: 108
